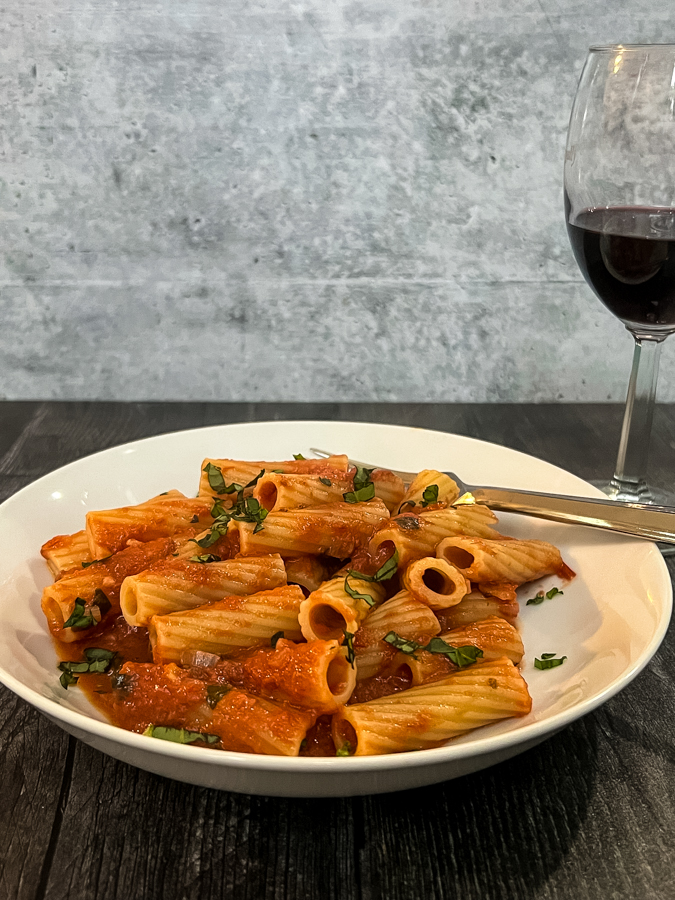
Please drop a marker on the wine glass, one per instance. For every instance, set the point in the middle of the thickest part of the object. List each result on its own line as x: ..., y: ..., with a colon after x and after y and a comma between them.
x: 620, y: 214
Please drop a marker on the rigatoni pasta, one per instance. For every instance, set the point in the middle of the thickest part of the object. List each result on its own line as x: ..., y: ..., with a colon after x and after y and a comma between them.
x: 290, y: 594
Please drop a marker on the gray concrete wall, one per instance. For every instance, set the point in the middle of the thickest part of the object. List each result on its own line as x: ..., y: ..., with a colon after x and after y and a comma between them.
x: 321, y: 199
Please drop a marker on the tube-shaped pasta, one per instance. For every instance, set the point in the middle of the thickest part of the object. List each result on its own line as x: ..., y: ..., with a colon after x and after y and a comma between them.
x: 336, y: 529
x: 488, y: 560
x: 307, y: 571
x: 330, y: 611
x: 447, y: 492
x: 415, y: 535
x: 227, y: 625
x: 236, y: 471
x: 109, y: 530
x: 435, y: 582
x: 408, y: 617
x: 474, y: 607
x: 278, y: 490
x: 171, y: 697
x: 58, y: 599
x: 389, y: 488
x: 428, y: 715
x: 494, y: 636
x: 65, y: 553
x: 176, y: 584
x: 314, y: 675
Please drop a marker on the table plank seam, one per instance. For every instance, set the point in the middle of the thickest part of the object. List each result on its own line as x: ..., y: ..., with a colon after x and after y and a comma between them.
x: 64, y: 795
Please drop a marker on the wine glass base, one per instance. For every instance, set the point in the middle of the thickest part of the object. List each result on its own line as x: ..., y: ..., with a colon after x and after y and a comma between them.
x: 639, y: 493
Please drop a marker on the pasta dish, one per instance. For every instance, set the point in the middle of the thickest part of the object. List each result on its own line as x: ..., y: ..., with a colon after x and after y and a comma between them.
x: 297, y: 608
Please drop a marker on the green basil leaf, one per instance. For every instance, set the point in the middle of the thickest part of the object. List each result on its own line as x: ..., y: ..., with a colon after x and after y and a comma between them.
x: 362, y: 495
x: 92, y: 562
x: 215, y: 693
x: 403, y: 644
x: 179, y: 735
x: 77, y: 618
x: 356, y: 595
x: 298, y: 456
x: 408, y: 523
x: 541, y: 596
x: 349, y: 642
x: 460, y: 656
x: 95, y: 654
x: 362, y: 478
x: 344, y: 750
x: 215, y: 477
x: 326, y: 481
x: 205, y: 558
x: 274, y: 640
x: 67, y: 679
x: 430, y: 495
x: 218, y: 530
x: 388, y: 570
x: 548, y: 662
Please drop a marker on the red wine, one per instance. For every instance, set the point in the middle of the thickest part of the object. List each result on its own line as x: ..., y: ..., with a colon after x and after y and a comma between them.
x: 627, y: 255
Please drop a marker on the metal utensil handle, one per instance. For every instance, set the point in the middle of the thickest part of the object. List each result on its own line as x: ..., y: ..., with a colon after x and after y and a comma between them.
x: 656, y: 523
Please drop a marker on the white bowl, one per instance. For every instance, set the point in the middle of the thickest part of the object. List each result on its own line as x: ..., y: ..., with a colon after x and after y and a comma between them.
x: 609, y: 622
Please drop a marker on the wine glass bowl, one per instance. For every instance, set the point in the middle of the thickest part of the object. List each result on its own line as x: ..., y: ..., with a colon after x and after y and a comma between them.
x: 620, y: 215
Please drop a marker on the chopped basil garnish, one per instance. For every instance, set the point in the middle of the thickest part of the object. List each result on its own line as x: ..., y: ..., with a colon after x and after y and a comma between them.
x: 205, y: 558
x: 215, y: 693
x: 430, y: 495
x: 179, y: 735
x: 344, y: 750
x: 216, y: 480
x: 349, y: 643
x: 85, y: 565
x: 460, y: 656
x: 83, y: 617
x: 548, y: 661
x: 357, y: 595
x: 245, y: 509
x: 298, y: 456
x: 384, y: 573
x: 97, y: 660
x: 541, y: 596
x: 364, y: 489
x: 218, y: 530
x: 408, y: 523
x: 325, y: 481
x: 274, y: 640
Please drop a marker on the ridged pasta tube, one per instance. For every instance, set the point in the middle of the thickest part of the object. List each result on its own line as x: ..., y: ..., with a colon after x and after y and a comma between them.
x: 58, y: 599
x: 177, y: 584
x: 65, y: 553
x: 109, y: 530
x: 330, y: 611
x: 415, y: 535
x: 428, y: 715
x: 447, y: 492
x: 494, y: 636
x: 236, y: 471
x: 409, y: 618
x: 474, y: 607
x: 337, y: 529
x: 227, y: 625
x: 514, y: 561
x: 435, y: 582
x: 316, y: 675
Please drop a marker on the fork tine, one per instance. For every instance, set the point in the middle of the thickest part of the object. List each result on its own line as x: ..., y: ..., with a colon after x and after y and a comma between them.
x: 405, y: 476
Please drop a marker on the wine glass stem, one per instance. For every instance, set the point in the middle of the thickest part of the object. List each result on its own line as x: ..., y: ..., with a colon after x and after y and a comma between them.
x: 629, y: 481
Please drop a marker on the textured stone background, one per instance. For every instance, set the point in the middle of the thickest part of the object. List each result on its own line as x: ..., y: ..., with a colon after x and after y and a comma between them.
x: 321, y: 199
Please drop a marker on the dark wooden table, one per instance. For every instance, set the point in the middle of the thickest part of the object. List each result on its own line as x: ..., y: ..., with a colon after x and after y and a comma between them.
x: 588, y: 814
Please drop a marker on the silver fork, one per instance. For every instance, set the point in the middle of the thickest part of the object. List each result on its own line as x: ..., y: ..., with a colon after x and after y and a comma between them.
x: 645, y: 520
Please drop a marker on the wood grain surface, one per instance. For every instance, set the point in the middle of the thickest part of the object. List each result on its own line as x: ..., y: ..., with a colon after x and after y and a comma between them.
x: 589, y: 814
